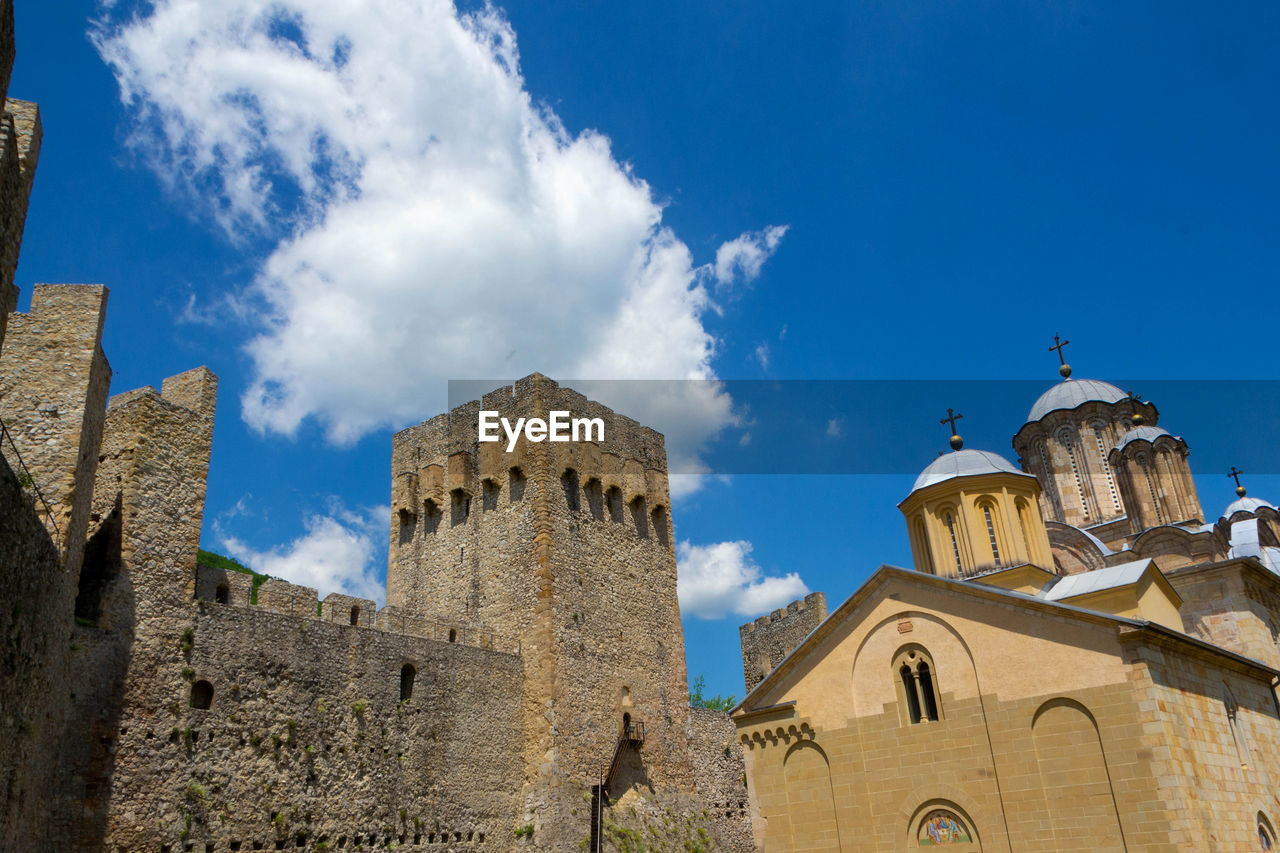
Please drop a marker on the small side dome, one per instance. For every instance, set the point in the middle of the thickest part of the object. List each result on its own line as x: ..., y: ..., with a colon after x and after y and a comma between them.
x: 1249, y: 505
x: 1142, y: 433
x: 964, y: 463
x: 1071, y: 393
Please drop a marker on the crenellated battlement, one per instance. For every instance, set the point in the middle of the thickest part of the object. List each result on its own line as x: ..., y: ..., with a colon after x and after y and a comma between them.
x: 812, y: 600
x: 769, y: 639
x: 274, y: 597
x: 443, y: 456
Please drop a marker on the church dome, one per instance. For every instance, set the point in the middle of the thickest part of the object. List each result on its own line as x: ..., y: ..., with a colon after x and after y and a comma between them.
x: 964, y: 463
x: 1249, y: 505
x: 1074, y: 392
x: 1142, y: 433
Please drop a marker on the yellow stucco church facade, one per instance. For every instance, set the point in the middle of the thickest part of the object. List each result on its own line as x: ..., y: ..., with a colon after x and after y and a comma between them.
x: 1078, y: 660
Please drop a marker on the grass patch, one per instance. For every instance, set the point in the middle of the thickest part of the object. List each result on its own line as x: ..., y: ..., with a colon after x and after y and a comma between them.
x: 218, y: 561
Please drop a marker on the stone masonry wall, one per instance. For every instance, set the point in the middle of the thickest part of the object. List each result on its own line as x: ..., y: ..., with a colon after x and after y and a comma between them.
x: 769, y: 639
x: 137, y: 582
x: 1218, y: 737
x: 307, y: 741
x: 35, y: 623
x: 568, y: 549
x: 53, y: 391
x: 1235, y: 605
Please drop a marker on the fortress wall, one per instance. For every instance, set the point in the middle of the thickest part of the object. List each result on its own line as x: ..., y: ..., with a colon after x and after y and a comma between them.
x: 53, y: 391
x: 719, y: 776
x: 283, y: 597
x: 306, y: 737
x: 35, y: 622
x: 20, y: 137
x: 769, y: 639
x: 136, y: 585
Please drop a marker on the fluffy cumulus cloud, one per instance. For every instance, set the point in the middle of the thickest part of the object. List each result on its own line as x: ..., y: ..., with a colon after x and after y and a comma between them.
x: 721, y: 578
x: 337, y: 553
x: 428, y: 219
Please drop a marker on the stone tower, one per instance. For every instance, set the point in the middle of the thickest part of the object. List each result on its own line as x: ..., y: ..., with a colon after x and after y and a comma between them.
x: 566, y: 548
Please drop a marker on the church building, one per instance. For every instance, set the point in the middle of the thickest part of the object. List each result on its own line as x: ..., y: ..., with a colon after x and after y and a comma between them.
x: 1078, y: 660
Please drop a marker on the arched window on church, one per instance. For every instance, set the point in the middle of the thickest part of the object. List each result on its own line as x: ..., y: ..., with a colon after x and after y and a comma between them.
x: 917, y: 686
x: 1024, y: 522
x: 1145, y: 465
x: 991, y: 532
x: 1050, y: 481
x: 950, y: 521
x: 1266, y: 835
x: 925, y: 550
x: 1099, y: 434
x: 1067, y: 440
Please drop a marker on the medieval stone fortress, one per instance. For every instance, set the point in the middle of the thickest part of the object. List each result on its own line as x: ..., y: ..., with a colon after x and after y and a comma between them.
x: 1079, y: 659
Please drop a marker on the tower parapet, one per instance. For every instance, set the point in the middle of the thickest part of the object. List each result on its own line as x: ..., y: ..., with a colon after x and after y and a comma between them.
x: 770, y: 638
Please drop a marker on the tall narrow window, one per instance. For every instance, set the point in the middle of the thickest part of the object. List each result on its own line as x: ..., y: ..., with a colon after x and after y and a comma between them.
x: 1069, y: 445
x: 569, y: 483
x: 955, y: 542
x: 991, y: 533
x: 909, y: 689
x: 1106, y: 468
x: 1050, y: 481
x: 926, y: 552
x: 1151, y: 489
x: 407, y: 676
x: 925, y: 679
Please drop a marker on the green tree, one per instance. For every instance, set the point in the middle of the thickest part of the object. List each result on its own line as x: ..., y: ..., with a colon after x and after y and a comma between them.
x: 715, y: 703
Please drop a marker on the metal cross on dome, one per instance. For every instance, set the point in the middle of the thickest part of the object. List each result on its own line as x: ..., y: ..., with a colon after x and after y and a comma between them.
x: 1058, y: 344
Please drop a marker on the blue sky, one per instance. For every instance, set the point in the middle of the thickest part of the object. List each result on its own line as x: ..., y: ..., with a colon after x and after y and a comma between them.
x: 923, y: 191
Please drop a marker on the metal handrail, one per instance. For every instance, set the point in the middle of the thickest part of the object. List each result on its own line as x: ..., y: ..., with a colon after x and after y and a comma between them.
x: 31, y: 483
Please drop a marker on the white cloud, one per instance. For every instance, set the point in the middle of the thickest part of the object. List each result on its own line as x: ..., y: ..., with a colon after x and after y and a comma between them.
x: 743, y: 257
x: 762, y: 355
x: 718, y: 579
x: 430, y: 221
x: 835, y: 428
x: 337, y: 553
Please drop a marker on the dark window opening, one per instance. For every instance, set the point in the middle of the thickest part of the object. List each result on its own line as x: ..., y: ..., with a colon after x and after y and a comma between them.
x: 408, y: 521
x: 569, y: 482
x: 613, y: 499
x: 100, y: 566
x: 453, y: 635
x: 595, y: 498
x: 640, y: 518
x: 431, y: 517
x: 202, y: 695
x: 459, y: 507
x: 659, y: 516
x: 407, y: 674
x: 926, y: 692
x: 355, y: 616
x: 913, y: 700
x: 223, y: 594
x: 517, y: 481
x: 489, y: 489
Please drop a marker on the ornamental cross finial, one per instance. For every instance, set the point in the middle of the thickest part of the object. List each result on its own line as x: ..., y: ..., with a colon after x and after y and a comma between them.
x: 1058, y: 344
x: 1235, y: 475
x: 951, y: 418
x: 1065, y: 370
